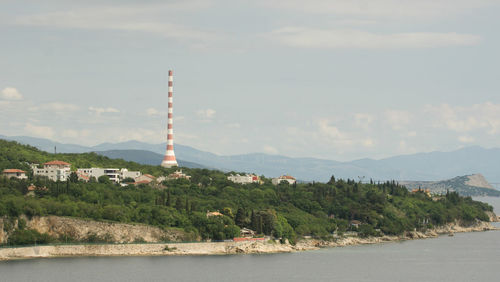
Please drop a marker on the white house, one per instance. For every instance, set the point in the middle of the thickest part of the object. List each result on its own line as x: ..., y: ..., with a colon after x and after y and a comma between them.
x: 116, y: 175
x: 244, y: 179
x: 112, y: 173
x: 16, y: 173
x: 287, y: 178
x: 54, y: 170
x: 125, y: 173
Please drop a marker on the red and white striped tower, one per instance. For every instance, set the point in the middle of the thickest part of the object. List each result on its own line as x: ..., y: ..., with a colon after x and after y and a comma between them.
x: 169, y: 159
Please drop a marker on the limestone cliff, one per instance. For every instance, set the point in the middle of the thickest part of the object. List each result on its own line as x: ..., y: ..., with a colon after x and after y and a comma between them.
x: 83, y: 230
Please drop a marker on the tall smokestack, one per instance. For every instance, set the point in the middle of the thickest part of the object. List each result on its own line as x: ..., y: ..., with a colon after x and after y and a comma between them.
x: 169, y: 159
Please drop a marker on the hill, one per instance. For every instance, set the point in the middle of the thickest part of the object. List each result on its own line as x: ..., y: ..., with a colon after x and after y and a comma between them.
x: 284, y: 211
x: 432, y: 166
x: 467, y: 185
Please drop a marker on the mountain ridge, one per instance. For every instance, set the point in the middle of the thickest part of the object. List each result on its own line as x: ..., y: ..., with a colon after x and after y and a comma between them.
x: 430, y: 166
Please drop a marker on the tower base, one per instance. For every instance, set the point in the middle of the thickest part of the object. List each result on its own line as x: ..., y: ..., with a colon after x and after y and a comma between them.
x: 169, y: 164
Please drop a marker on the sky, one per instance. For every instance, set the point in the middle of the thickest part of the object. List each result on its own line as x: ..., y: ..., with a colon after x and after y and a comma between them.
x: 337, y: 79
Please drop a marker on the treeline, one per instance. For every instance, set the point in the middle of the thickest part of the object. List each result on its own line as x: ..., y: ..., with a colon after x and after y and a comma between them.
x: 283, y: 211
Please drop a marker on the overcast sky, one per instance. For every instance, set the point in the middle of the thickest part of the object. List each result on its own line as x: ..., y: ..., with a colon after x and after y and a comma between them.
x: 337, y: 79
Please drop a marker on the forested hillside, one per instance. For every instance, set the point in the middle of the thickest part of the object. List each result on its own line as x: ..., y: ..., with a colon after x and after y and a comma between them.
x: 284, y: 211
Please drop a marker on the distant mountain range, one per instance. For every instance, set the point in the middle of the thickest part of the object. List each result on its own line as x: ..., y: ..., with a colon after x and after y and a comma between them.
x: 431, y: 166
x: 468, y: 185
x: 144, y: 157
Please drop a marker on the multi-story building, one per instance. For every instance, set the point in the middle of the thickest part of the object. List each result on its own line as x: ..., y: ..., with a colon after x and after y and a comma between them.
x: 114, y: 174
x: 54, y: 170
x: 16, y: 173
x: 244, y: 179
x: 287, y: 178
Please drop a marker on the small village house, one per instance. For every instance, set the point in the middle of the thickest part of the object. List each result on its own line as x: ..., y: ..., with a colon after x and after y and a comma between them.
x: 283, y: 178
x: 14, y: 173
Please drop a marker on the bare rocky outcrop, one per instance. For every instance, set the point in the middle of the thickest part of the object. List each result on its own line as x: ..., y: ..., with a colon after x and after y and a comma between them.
x: 85, y: 230
x: 493, y: 217
x: 478, y: 180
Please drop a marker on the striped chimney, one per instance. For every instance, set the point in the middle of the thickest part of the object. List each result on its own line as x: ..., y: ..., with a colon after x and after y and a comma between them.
x: 169, y: 159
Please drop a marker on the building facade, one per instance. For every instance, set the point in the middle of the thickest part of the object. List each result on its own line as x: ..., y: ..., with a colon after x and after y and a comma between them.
x: 244, y: 179
x: 54, y: 170
x: 114, y: 174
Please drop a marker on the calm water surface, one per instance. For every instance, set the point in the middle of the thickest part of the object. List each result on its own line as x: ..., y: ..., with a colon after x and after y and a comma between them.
x: 464, y: 257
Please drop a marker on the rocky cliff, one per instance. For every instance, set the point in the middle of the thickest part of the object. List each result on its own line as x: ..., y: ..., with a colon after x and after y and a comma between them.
x: 88, y: 230
x: 221, y: 248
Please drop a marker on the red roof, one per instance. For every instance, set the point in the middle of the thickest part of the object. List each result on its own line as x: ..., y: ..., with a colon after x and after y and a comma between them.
x: 287, y: 177
x: 13, y: 170
x: 83, y: 176
x: 142, y: 182
x: 57, y: 163
x: 149, y: 175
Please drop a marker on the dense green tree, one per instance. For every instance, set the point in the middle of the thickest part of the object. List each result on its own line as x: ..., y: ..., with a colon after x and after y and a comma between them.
x: 104, y: 179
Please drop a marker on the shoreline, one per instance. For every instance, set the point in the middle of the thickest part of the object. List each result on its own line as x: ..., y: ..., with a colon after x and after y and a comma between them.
x: 222, y: 248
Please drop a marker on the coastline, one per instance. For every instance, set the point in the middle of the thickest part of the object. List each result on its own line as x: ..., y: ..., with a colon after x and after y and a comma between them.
x: 222, y: 248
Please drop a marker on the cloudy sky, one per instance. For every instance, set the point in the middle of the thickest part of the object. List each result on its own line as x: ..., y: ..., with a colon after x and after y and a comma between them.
x: 337, y: 79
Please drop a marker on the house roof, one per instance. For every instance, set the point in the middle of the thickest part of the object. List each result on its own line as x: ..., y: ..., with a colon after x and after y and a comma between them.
x: 57, y: 163
x: 149, y: 175
x: 287, y: 177
x: 83, y: 175
x: 142, y: 182
x: 13, y: 170
x: 215, y: 213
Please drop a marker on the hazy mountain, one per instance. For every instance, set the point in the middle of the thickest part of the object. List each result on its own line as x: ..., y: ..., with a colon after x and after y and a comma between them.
x: 47, y: 145
x: 143, y: 157
x: 468, y: 185
x: 431, y: 166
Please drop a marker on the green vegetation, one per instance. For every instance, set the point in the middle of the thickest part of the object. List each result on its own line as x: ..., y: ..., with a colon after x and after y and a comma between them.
x: 283, y: 211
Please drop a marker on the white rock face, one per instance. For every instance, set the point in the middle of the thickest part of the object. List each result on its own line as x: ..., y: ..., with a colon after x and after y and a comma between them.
x: 478, y: 180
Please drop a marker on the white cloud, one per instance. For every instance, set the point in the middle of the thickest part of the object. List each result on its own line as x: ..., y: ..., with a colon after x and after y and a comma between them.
x: 99, y: 111
x: 302, y: 37
x: 39, y: 131
x: 422, y: 9
x: 153, y: 112
x: 333, y: 134
x: 144, y: 18
x: 55, y: 107
x: 233, y: 125
x: 11, y: 93
x: 206, y: 114
x: 466, y: 139
x: 412, y: 134
x: 463, y: 119
x: 368, y: 143
x: 363, y: 120
x: 398, y: 119
x: 270, y: 150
